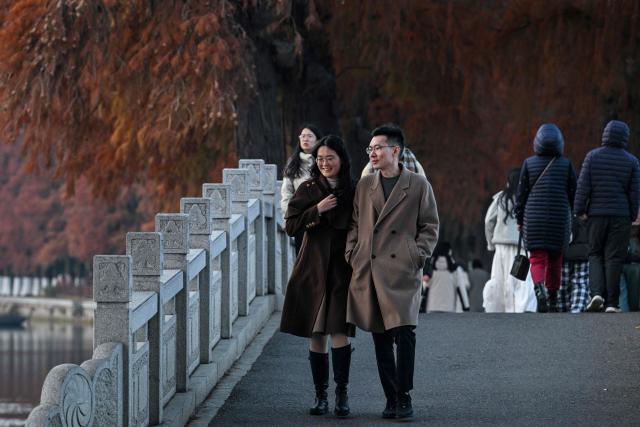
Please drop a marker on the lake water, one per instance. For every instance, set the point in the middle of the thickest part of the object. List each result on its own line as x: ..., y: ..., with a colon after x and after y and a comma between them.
x: 26, y: 356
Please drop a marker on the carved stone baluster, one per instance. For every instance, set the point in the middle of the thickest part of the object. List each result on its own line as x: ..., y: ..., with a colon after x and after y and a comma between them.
x: 199, y: 211
x: 145, y: 250
x: 220, y: 196
x: 256, y: 168
x: 271, y: 203
x: 112, y: 291
x: 175, y: 235
x: 239, y: 181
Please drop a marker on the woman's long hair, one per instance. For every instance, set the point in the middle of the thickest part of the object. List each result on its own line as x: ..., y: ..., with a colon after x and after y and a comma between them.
x: 292, y: 169
x: 345, y: 182
x: 451, y: 266
x: 507, y: 199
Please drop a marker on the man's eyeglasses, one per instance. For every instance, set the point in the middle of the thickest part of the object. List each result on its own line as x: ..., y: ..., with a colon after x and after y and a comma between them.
x: 377, y: 148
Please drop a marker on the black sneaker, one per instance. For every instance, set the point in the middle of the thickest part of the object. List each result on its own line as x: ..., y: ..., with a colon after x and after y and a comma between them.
x: 404, y: 409
x: 595, y: 304
x: 389, y: 409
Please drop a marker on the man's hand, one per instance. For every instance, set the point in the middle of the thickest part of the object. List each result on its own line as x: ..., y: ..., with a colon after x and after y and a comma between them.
x: 425, y: 277
x: 327, y: 203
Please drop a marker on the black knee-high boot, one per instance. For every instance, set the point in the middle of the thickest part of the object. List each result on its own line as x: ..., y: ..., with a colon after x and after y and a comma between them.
x: 541, y: 296
x: 320, y: 371
x: 341, y: 359
x: 553, y: 301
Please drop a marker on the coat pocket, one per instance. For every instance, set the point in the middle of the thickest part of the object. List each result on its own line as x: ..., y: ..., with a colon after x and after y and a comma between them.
x: 413, y: 253
x: 353, y: 253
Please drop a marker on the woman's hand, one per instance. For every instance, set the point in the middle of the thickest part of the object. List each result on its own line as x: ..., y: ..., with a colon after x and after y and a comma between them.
x: 327, y: 203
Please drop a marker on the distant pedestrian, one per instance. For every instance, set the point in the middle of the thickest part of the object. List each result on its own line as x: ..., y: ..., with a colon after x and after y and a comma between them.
x: 543, y: 211
x: 607, y: 196
x: 574, y: 285
x: 315, y: 304
x: 630, y: 278
x: 393, y: 232
x: 298, y: 170
x: 447, y: 286
x: 427, y: 272
x: 503, y: 292
x: 478, y: 276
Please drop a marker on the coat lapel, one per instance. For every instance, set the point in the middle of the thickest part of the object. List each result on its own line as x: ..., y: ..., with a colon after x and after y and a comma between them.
x: 396, y: 196
x: 377, y: 195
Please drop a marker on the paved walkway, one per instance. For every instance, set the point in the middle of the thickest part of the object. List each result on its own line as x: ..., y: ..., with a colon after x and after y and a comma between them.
x: 471, y: 369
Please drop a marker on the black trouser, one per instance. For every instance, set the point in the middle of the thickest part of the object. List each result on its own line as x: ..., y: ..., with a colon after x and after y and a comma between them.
x: 608, y: 242
x: 395, y: 377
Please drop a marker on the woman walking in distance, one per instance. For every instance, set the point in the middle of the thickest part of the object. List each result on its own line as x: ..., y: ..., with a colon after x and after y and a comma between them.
x: 315, y: 304
x: 504, y: 293
x: 298, y: 170
x: 543, y: 210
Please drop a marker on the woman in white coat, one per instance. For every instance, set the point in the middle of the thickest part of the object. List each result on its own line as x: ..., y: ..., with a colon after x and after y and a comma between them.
x: 447, y: 286
x: 298, y: 170
x: 504, y: 293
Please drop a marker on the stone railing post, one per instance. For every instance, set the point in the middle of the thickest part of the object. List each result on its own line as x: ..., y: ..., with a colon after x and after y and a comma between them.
x: 201, y: 237
x: 256, y: 168
x: 272, y: 203
x: 285, y: 247
x: 175, y: 236
x: 239, y: 181
x: 145, y: 250
x: 112, y: 292
x: 220, y: 195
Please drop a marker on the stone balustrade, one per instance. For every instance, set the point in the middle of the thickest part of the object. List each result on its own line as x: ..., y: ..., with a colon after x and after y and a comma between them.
x: 175, y: 312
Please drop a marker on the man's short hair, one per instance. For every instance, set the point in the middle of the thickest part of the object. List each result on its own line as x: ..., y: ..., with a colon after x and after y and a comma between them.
x: 393, y: 133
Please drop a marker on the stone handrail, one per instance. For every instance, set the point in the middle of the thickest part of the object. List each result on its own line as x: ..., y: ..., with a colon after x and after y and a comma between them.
x: 165, y: 310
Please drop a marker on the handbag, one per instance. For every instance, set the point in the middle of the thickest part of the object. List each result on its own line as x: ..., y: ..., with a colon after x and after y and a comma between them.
x: 520, y: 266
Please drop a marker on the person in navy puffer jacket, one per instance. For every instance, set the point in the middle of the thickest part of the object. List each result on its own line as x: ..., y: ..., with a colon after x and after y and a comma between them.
x: 543, y: 211
x: 607, y: 194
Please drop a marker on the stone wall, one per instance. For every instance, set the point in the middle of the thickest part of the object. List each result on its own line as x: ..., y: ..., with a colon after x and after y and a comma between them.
x: 175, y: 312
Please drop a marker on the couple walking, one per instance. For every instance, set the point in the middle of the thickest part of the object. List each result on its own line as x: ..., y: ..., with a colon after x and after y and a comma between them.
x: 360, y: 264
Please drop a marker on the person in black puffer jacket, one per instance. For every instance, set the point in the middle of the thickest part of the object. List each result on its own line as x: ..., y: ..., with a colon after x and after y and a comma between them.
x: 607, y: 194
x: 543, y: 211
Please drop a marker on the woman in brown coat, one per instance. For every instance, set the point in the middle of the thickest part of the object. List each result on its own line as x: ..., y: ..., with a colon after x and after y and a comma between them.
x: 315, y: 304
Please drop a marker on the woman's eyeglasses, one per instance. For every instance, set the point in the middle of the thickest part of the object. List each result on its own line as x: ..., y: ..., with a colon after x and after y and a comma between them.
x: 322, y: 160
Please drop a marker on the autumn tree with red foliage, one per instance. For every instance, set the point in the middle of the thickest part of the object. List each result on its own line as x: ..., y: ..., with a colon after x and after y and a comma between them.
x: 164, y: 94
x: 136, y: 103
x: 44, y: 230
x: 120, y: 92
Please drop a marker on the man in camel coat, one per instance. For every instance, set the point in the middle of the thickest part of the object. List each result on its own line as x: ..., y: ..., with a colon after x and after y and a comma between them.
x: 393, y: 231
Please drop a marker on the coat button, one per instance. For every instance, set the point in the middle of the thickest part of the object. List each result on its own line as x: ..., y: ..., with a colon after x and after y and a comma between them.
x: 393, y: 255
x: 373, y: 257
x: 393, y: 231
